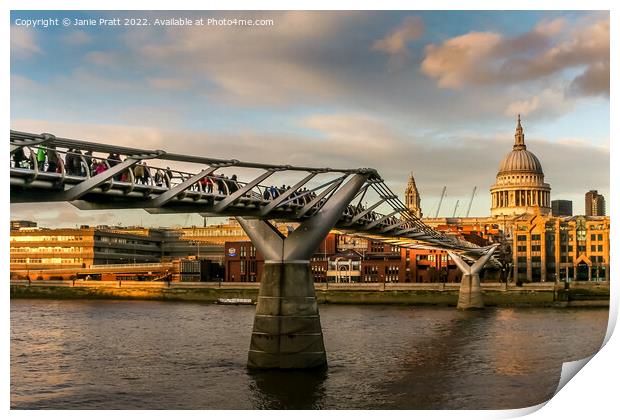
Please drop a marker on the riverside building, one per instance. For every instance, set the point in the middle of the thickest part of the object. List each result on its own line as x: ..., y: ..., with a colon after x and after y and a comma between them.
x: 348, y: 259
x: 561, y: 248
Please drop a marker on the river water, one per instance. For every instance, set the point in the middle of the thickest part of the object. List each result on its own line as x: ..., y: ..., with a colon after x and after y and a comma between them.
x: 89, y: 354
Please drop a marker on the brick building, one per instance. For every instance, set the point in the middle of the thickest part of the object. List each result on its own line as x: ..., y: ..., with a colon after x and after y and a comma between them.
x: 343, y: 258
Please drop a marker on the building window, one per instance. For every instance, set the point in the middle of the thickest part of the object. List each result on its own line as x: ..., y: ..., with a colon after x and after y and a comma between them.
x: 521, y: 238
x: 536, y: 237
x: 600, y: 237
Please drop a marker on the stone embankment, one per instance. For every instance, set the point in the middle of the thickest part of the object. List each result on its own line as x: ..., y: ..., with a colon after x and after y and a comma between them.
x: 494, y: 294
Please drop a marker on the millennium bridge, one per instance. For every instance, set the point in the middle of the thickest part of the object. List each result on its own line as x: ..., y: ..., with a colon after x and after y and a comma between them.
x: 287, y: 330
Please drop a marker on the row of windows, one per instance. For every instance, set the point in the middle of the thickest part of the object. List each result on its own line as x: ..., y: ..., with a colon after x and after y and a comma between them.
x: 125, y: 251
x: 377, y: 247
x: 391, y: 269
x: 46, y: 238
x: 593, y: 237
x: 46, y: 260
x: 42, y: 249
x: 248, y: 267
x: 581, y: 248
x: 115, y: 240
x: 213, y: 232
x: 243, y: 252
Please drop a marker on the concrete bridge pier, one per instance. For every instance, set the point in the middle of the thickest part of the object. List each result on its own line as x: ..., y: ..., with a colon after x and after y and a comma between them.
x: 470, y: 295
x: 287, y: 330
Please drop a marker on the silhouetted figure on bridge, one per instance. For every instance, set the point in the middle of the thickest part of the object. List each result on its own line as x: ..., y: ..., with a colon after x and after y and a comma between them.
x: 274, y: 192
x: 53, y: 160
x: 221, y: 185
x: 88, y: 160
x: 70, y: 162
x: 232, y: 184
x: 18, y: 157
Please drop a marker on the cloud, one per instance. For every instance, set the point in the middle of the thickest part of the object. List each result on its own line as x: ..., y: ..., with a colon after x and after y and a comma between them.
x: 168, y: 83
x: 458, y: 60
x: 23, y: 42
x: 488, y: 58
x: 594, y: 81
x: 395, y: 44
x: 252, y: 65
x: 549, y: 101
x: 105, y: 59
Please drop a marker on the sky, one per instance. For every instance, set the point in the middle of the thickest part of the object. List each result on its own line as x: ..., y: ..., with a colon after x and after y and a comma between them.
x: 435, y: 93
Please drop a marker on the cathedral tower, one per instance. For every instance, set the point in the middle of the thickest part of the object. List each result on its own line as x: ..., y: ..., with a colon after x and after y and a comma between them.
x: 412, y: 197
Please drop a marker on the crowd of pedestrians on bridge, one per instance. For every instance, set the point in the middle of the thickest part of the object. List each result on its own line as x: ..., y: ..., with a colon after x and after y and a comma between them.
x: 84, y: 164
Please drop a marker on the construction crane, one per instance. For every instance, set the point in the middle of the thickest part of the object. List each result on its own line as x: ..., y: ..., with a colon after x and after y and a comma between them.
x: 471, y: 200
x: 455, y: 207
x: 443, y: 194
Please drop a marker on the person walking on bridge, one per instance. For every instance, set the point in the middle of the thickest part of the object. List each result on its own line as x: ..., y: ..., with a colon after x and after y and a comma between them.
x: 138, y: 172
x: 41, y: 158
x: 18, y: 157
x: 53, y: 161
x: 274, y: 192
x: 221, y: 186
x: 233, y: 186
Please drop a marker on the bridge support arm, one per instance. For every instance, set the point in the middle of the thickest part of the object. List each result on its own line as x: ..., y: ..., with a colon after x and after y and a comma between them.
x: 287, y: 328
x: 470, y: 295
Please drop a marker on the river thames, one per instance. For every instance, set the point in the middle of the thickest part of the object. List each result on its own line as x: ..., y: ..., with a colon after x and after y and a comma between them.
x: 89, y: 354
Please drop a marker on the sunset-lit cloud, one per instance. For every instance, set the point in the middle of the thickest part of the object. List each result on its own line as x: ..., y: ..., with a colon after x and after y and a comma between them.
x: 395, y: 43
x: 487, y: 58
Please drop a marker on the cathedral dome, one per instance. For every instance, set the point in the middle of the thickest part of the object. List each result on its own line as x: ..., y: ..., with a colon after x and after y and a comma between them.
x: 520, y: 161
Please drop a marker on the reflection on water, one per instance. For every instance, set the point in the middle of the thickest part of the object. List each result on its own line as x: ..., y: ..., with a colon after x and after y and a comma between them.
x: 288, y: 390
x: 159, y: 355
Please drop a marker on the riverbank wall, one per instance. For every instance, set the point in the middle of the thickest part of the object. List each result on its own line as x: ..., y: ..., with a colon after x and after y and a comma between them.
x: 494, y: 294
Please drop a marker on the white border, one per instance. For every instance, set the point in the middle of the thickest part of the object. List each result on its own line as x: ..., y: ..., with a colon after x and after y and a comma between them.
x: 592, y: 394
